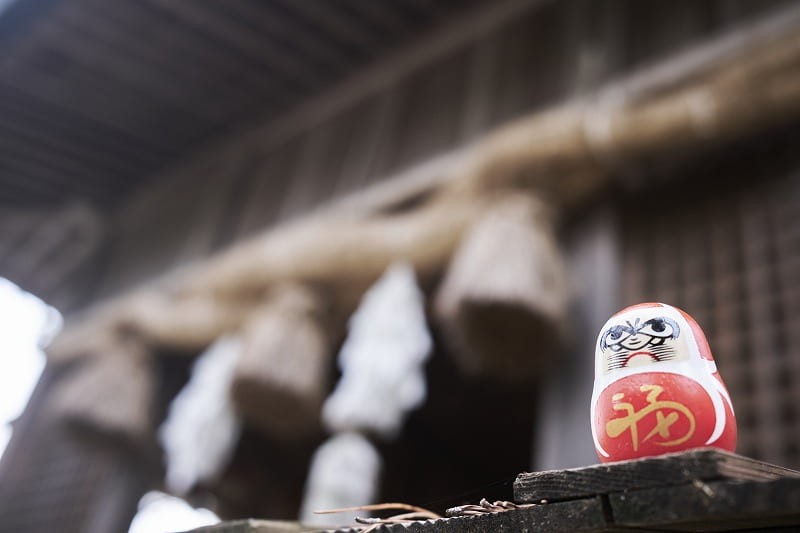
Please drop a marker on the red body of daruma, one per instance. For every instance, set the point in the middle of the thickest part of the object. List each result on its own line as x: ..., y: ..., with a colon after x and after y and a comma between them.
x: 656, y: 387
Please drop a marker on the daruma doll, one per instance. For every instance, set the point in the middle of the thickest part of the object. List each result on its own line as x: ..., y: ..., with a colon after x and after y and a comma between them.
x: 656, y: 387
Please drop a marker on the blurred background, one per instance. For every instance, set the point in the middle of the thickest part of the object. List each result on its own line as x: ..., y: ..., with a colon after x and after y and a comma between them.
x: 266, y: 257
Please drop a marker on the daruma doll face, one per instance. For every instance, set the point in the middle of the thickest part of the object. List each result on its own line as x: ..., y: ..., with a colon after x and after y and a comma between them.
x: 656, y: 387
x: 641, y: 338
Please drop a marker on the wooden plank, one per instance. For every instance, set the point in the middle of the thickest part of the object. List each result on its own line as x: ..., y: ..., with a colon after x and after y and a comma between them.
x: 20, y: 189
x: 92, y: 175
x: 423, y: 7
x: 431, y: 111
x: 103, y: 99
x: 45, y: 50
x: 269, y: 185
x: 580, y: 515
x: 518, y: 85
x: 341, y: 29
x: 301, y: 192
x: 278, y: 25
x: 161, y: 85
x: 119, y: 38
x: 51, y: 173
x: 101, y: 94
x: 291, y: 73
x: 654, y: 29
x: 96, y: 59
x: 72, y: 128
x: 432, y: 46
x: 715, y: 506
x: 478, y: 87
x: 46, y: 173
x: 187, y: 45
x: 726, y: 505
x: 369, y: 143
x: 664, y: 471
x: 45, y: 141
x: 48, y: 95
x: 384, y: 15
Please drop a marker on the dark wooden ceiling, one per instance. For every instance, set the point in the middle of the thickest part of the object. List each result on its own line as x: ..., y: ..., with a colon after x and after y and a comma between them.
x: 97, y: 95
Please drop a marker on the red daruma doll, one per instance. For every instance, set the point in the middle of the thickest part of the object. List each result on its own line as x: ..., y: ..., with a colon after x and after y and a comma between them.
x: 656, y: 387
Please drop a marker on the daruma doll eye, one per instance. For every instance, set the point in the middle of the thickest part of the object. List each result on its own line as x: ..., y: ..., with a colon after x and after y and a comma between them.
x: 614, y: 336
x: 660, y: 327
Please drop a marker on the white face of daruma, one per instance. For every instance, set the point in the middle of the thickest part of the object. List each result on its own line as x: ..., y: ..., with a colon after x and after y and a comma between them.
x: 642, y: 336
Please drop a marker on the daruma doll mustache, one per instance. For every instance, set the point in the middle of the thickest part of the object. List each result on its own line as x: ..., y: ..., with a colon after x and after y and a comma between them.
x: 656, y: 387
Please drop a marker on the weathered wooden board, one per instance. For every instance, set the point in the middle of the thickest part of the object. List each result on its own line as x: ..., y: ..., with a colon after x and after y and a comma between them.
x: 715, y: 506
x: 585, y: 515
x: 699, y: 506
x: 580, y: 515
x: 700, y: 490
x: 663, y: 471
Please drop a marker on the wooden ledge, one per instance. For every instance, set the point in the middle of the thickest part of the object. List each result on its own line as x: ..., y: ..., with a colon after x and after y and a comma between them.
x: 707, y: 464
x: 699, y: 490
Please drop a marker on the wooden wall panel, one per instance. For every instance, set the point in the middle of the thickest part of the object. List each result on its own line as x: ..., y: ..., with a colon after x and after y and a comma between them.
x: 269, y: 182
x: 531, y: 67
x: 431, y: 106
x: 369, y: 135
x: 172, y: 224
x: 550, y: 52
x: 723, y: 243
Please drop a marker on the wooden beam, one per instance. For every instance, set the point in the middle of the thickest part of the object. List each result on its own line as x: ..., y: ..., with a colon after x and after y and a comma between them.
x: 463, y: 29
x: 586, y: 515
x: 49, y: 176
x: 109, y: 128
x: 565, y: 154
x: 35, y: 115
x: 251, y: 45
x: 41, y: 156
x: 733, y: 501
x: 329, y: 19
x: 145, y: 58
x: 24, y: 180
x: 557, y: 153
x: 716, y: 506
x: 104, y: 98
x: 198, y: 56
x: 385, y: 16
x: 100, y: 63
x: 708, y: 464
x: 279, y: 26
x: 44, y: 140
